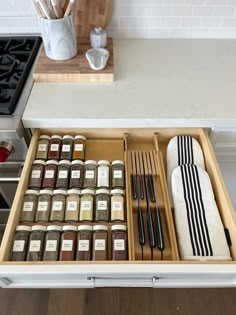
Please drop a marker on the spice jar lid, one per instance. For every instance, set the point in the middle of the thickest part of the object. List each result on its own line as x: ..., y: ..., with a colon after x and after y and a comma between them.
x: 69, y: 228
x: 77, y: 162
x: 73, y: 191
x: 90, y: 162
x: 52, y: 162
x: 117, y: 191
x: 68, y: 137
x: 53, y: 228
x: 31, y: 192
x: 80, y: 137
x: 23, y: 228
x: 59, y: 191
x: 39, y: 162
x: 44, y: 137
x: 119, y: 227
x: 100, y: 227
x: 87, y: 191
x: 102, y: 191
x: 118, y: 162
x: 39, y: 228
x: 65, y: 162
x: 45, y: 191
x: 85, y: 227
x: 56, y: 137
x: 103, y: 162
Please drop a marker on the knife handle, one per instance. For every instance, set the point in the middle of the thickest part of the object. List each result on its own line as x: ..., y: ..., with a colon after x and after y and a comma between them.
x: 151, y: 188
x: 151, y: 235
x: 141, y: 232
x: 159, y: 231
x: 141, y: 192
x: 134, y: 186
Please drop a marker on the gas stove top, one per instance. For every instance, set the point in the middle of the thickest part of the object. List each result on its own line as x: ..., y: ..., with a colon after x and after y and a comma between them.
x: 17, y: 55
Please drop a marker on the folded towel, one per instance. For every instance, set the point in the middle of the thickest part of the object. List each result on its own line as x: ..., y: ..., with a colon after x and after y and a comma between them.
x: 199, y: 227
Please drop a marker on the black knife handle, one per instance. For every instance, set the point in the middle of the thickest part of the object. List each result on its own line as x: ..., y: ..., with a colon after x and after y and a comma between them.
x: 134, y: 186
x: 151, y: 235
x: 141, y: 192
x: 159, y: 231
x: 141, y: 232
x: 151, y: 188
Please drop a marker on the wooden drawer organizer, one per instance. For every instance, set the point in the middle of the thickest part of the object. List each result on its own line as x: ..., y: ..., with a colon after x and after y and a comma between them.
x: 114, y: 144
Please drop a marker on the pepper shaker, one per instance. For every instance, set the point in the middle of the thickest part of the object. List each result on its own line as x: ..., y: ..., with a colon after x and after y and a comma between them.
x: 98, y: 37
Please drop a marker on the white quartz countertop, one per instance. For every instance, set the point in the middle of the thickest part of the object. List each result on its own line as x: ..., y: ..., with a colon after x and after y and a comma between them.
x: 158, y: 83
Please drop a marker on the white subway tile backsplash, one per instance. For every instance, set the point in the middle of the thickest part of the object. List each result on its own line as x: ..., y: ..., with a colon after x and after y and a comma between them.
x: 170, y: 21
x: 135, y: 10
x: 209, y: 22
x: 228, y: 22
x: 161, y: 10
x: 216, y: 2
x: 191, y: 21
x: 182, y: 10
x: 203, y: 11
x: 224, y: 11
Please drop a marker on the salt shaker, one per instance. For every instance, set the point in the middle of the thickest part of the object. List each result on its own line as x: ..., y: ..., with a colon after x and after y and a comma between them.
x: 98, y: 37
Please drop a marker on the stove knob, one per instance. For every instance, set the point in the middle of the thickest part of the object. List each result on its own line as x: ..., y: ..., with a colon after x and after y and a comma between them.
x: 5, y: 150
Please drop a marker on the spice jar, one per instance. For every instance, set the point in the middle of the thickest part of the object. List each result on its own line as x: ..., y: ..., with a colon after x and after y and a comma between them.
x: 36, y: 175
x: 44, y: 205
x: 117, y: 205
x: 103, y: 174
x: 102, y: 205
x: 99, y: 242
x: 84, y: 242
x: 67, y: 147
x: 29, y: 206
x: 36, y: 243
x: 20, y: 244
x: 58, y: 205
x: 119, y: 242
x: 86, y: 205
x: 76, y: 174
x: 55, y: 147
x: 90, y: 174
x: 79, y: 147
x: 52, y: 243
x: 63, y: 174
x: 72, y: 205
x: 118, y: 174
x: 42, y: 149
x: 98, y: 37
x: 50, y: 174
x: 68, y: 242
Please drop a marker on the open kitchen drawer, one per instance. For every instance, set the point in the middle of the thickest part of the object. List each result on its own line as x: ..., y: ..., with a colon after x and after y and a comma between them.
x: 166, y: 271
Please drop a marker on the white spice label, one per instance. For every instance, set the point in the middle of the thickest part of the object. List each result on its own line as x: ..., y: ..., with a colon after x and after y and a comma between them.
x: 117, y: 206
x: 67, y: 245
x: 54, y: 147
x: 66, y: 148
x: 18, y: 246
x: 71, y: 206
x: 49, y: 174
x: 100, y: 244
x: 86, y: 205
x: 119, y: 244
x: 102, y: 205
x: 117, y: 174
x: 57, y: 206
x: 83, y: 245
x: 42, y: 206
x: 79, y: 147
x: 28, y: 206
x: 51, y: 245
x: 42, y: 147
x: 89, y: 174
x: 75, y: 174
x: 36, y: 174
x: 63, y: 174
x: 35, y: 246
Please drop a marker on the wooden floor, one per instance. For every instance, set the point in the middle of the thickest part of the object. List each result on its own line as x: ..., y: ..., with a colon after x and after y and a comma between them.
x: 117, y: 301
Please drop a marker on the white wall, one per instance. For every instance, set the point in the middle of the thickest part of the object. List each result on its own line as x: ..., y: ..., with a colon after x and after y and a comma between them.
x: 142, y: 18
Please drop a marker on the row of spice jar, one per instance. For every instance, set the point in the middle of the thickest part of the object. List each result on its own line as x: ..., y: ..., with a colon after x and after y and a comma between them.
x: 73, y: 205
x: 77, y: 174
x: 59, y: 148
x: 68, y: 243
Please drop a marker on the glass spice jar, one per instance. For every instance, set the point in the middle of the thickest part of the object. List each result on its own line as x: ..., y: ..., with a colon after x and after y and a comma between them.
x: 58, y: 205
x: 119, y: 242
x: 63, y: 174
x: 103, y: 174
x: 44, y: 205
x: 36, y: 243
x: 72, y: 205
x: 76, y: 174
x: 118, y: 174
x: 79, y: 147
x: 84, y: 242
x: 20, y: 244
x: 36, y: 175
x: 68, y: 243
x: 42, y: 149
x: 100, y: 238
x: 67, y: 147
x: 52, y: 243
x: 50, y: 174
x: 55, y: 147
x: 29, y: 206
x: 90, y: 174
x: 117, y: 205
x: 98, y: 37
x: 86, y: 205
x: 102, y: 207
